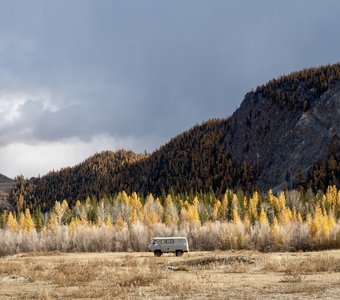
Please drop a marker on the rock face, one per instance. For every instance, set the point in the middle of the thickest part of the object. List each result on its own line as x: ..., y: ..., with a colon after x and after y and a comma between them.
x: 6, y: 185
x: 277, y: 141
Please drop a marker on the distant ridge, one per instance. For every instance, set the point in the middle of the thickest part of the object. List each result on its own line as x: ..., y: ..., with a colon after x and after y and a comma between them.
x: 285, y: 134
x: 5, y: 179
x: 6, y: 185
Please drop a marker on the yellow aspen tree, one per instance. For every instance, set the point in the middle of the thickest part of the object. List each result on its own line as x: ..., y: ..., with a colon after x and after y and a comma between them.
x: 274, y: 230
x: 101, y: 212
x: 324, y: 202
x: 281, y: 201
x: 108, y: 222
x: 279, y: 204
x: 215, y: 209
x: 331, y: 220
x: 184, y: 215
x: 136, y: 208
x: 150, y: 212
x: 53, y: 221
x: 279, y: 237
x: 75, y: 222
x: 180, y: 204
x: 263, y: 217
x: 77, y: 208
x: 252, y: 208
x: 133, y: 217
x: 299, y: 218
x: 236, y: 216
x: 11, y: 222
x: 185, y: 204
x: 309, y: 220
x: 285, y: 216
x: 159, y: 210
x: 119, y: 224
x: 99, y: 221
x: 28, y: 222
x: 82, y: 213
x: 170, y: 212
x: 246, y: 222
x: 271, y: 197
x: 223, y: 211
x: 276, y: 205
x: 193, y: 215
x: 123, y: 197
x: 21, y: 222
x: 294, y: 216
x: 325, y: 228
x: 245, y: 204
x: 331, y: 196
x: 195, y: 201
x: 316, y: 221
x: 59, y: 210
x: 274, y: 227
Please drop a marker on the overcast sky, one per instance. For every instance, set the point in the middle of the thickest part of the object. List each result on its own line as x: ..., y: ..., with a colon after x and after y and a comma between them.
x: 79, y: 77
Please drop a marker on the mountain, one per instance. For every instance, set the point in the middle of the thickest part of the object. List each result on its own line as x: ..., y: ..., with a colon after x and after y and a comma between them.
x: 6, y: 184
x: 5, y: 179
x: 286, y: 133
x: 288, y: 127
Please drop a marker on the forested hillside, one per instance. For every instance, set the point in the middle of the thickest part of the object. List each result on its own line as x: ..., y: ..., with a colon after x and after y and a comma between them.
x: 285, y: 134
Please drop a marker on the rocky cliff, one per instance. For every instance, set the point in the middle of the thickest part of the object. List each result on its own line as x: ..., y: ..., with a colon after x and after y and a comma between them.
x: 278, y: 141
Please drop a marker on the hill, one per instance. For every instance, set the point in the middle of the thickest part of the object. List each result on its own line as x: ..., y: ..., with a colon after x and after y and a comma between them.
x: 6, y: 184
x: 5, y: 179
x: 284, y: 134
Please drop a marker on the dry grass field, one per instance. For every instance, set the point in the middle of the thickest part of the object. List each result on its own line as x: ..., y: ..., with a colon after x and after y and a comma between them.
x: 195, y: 275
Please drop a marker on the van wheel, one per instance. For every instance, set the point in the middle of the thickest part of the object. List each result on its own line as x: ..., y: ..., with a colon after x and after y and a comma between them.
x: 158, y: 253
x: 179, y: 252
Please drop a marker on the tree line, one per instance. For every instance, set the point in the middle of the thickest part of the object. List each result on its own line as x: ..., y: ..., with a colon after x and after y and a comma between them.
x: 299, y: 90
x: 290, y: 221
x: 195, y: 161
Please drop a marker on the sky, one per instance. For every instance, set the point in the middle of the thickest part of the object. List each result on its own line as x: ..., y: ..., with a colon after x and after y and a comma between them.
x: 82, y: 76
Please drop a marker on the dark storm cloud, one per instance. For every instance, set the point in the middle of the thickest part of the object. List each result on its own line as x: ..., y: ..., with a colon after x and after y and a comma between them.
x: 134, y: 68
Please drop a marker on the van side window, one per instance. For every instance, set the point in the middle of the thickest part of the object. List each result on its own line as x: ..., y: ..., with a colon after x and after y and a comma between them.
x: 170, y: 241
x: 163, y: 242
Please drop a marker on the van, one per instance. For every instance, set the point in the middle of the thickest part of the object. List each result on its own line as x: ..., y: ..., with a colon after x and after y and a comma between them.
x: 177, y: 245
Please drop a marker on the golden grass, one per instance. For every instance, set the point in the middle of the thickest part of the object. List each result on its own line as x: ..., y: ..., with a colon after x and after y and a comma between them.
x: 205, y: 275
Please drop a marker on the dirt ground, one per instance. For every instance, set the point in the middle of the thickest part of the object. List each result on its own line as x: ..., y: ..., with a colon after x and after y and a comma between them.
x: 195, y: 275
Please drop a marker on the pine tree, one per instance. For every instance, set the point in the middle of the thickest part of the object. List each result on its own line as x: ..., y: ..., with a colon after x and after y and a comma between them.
x: 38, y: 219
x: 3, y: 218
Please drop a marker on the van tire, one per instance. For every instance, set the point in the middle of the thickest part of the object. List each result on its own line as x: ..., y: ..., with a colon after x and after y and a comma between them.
x: 157, y: 253
x: 179, y: 252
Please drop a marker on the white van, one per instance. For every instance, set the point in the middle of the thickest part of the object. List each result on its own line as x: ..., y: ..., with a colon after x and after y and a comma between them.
x: 177, y: 245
